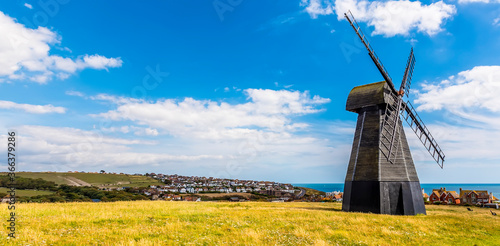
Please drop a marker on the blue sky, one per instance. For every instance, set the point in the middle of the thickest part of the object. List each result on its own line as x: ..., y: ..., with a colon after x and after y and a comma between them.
x: 242, y: 89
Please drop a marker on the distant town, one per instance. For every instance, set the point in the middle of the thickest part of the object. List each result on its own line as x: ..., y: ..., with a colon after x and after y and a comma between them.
x: 110, y: 186
x: 176, y: 186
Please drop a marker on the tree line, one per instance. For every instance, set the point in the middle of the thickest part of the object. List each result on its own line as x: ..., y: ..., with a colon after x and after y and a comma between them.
x: 28, y: 183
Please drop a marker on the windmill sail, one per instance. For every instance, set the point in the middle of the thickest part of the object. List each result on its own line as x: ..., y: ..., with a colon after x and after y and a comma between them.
x: 371, y: 52
x: 391, y: 127
x: 406, y: 83
x: 416, y: 124
x: 390, y: 130
x: 373, y: 183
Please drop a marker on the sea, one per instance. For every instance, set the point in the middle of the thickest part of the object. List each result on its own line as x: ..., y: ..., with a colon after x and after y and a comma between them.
x: 495, y: 188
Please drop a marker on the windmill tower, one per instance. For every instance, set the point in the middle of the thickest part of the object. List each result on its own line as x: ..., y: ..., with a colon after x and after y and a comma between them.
x: 381, y: 176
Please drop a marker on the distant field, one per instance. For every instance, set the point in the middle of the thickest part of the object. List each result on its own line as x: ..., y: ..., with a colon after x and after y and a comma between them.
x: 27, y: 192
x: 247, y: 223
x: 97, y: 179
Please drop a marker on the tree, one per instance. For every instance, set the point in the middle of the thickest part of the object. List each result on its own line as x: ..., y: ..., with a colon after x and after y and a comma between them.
x: 102, y: 171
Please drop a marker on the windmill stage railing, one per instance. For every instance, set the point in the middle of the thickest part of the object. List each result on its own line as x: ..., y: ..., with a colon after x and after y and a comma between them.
x: 410, y: 115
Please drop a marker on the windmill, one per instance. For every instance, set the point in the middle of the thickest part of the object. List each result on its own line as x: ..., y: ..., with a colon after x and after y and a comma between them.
x: 381, y: 176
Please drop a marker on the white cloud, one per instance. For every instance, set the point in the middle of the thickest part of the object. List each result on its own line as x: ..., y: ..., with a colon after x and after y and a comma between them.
x: 122, y: 129
x: 389, y: 18
x: 268, y: 110
x: 263, y: 133
x: 140, y: 131
x: 475, y: 88
x: 24, y: 54
x: 100, y: 62
x: 75, y: 93
x: 496, y: 22
x: 62, y: 148
x: 317, y: 7
x: 30, y: 108
x: 470, y: 105
x: 27, y: 5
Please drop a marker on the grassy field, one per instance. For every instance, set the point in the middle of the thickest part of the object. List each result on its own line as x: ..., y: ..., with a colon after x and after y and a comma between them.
x: 246, y: 195
x: 27, y: 192
x: 97, y: 179
x: 225, y: 223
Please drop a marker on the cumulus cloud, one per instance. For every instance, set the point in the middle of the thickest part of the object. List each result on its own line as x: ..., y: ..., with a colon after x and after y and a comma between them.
x: 389, y: 18
x: 25, y: 54
x: 317, y: 7
x: 65, y: 148
x: 468, y: 102
x: 27, y: 5
x: 475, y: 88
x: 75, y: 93
x: 30, y: 108
x: 267, y: 110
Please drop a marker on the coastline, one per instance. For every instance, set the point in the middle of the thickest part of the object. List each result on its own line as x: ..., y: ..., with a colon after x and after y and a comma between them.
x: 493, y: 187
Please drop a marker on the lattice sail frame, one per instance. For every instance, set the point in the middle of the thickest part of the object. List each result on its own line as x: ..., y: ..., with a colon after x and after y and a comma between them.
x: 390, y: 127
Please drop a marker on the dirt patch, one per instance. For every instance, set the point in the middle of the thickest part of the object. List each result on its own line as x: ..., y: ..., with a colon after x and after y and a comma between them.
x: 76, y: 182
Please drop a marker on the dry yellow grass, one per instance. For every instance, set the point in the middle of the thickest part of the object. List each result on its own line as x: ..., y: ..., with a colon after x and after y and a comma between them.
x: 247, y: 195
x: 250, y: 223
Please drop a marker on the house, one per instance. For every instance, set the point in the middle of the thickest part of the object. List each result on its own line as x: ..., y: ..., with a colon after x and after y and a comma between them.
x: 337, y: 198
x: 438, y: 195
x: 452, y: 197
x: 192, y: 199
x: 426, y: 197
x: 493, y: 198
x: 435, y: 196
x: 475, y: 197
x: 444, y: 196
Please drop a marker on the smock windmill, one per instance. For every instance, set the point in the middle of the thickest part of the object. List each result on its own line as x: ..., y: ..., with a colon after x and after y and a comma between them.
x: 381, y: 176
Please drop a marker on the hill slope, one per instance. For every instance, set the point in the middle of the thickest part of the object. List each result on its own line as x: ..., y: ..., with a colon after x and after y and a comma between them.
x: 96, y: 179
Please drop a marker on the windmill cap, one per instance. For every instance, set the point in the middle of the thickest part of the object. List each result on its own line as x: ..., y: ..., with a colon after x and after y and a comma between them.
x: 368, y: 95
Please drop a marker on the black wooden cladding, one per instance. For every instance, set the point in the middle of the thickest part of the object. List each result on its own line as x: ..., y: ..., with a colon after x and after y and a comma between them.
x: 373, y: 184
